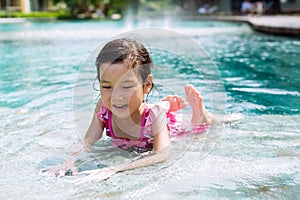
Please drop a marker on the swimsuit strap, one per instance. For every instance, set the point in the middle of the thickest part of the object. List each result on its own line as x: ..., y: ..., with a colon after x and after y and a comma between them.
x: 143, y: 124
x: 110, y: 124
x: 104, y: 115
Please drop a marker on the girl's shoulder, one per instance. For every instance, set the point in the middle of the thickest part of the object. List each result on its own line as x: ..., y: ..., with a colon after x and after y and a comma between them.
x: 158, y: 107
x: 157, y: 117
x: 156, y: 111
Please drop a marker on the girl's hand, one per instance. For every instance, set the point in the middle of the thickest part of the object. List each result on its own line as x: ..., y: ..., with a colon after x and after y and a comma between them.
x: 176, y: 102
x: 68, y: 168
x: 96, y: 175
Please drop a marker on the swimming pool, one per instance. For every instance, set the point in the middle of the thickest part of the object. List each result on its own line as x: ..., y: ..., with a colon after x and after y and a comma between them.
x: 257, y: 157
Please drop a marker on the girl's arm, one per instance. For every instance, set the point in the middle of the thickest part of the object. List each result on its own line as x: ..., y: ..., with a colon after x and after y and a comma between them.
x: 95, y: 130
x: 93, y: 134
x: 159, y: 154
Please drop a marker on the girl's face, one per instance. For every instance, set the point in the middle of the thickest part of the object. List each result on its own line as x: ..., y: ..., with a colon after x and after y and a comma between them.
x: 121, y: 89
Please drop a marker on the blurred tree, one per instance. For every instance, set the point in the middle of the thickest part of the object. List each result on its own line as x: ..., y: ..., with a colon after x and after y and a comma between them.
x: 82, y: 8
x: 79, y: 7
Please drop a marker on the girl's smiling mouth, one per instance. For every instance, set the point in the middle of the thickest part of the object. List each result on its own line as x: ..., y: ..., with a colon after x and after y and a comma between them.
x: 120, y: 106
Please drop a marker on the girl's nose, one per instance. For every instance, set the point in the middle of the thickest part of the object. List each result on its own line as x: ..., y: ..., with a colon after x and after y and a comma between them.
x: 117, y: 94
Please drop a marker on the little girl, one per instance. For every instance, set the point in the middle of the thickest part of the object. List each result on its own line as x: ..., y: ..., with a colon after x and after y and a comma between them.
x: 124, y: 73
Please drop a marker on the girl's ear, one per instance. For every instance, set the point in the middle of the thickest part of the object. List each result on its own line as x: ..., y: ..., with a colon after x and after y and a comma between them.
x: 148, y: 84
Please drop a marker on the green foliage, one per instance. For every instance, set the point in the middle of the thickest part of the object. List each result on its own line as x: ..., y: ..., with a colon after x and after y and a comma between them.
x: 58, y: 14
x: 2, y: 13
x: 81, y: 7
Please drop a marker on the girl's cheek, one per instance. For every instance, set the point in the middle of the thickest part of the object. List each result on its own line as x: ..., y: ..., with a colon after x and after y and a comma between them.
x: 132, y: 93
x: 106, y: 96
x: 106, y: 93
x: 136, y: 94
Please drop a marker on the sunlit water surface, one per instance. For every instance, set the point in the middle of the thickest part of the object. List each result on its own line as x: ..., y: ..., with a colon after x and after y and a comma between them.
x: 257, y: 157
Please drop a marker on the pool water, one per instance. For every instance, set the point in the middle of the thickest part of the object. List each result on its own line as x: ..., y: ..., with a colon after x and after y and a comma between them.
x: 256, y: 157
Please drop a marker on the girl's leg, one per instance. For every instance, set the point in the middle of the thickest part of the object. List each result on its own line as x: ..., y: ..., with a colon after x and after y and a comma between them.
x: 200, y: 114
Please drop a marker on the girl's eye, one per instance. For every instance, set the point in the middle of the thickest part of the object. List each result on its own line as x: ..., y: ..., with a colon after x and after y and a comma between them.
x: 127, y: 87
x: 106, y: 87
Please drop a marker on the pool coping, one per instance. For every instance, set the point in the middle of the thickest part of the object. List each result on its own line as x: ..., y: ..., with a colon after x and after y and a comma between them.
x: 276, y: 25
x: 12, y: 20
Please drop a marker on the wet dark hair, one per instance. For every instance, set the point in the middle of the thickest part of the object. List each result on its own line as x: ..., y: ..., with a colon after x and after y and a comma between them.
x: 127, y: 51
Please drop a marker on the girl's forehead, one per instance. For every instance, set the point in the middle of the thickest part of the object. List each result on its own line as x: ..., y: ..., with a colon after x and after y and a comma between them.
x: 117, y: 71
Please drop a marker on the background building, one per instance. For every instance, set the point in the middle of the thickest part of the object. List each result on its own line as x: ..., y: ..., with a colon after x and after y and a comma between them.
x: 26, y: 6
x: 233, y: 6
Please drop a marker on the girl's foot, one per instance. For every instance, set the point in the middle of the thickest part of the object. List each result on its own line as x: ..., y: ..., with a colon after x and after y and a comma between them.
x: 200, y: 114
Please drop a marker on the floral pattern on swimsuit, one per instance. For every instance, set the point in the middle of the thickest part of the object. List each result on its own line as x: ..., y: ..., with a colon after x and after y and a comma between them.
x: 150, y: 115
x: 142, y: 145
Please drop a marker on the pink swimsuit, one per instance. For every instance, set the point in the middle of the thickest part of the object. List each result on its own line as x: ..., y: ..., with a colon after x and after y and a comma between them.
x: 151, y: 113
